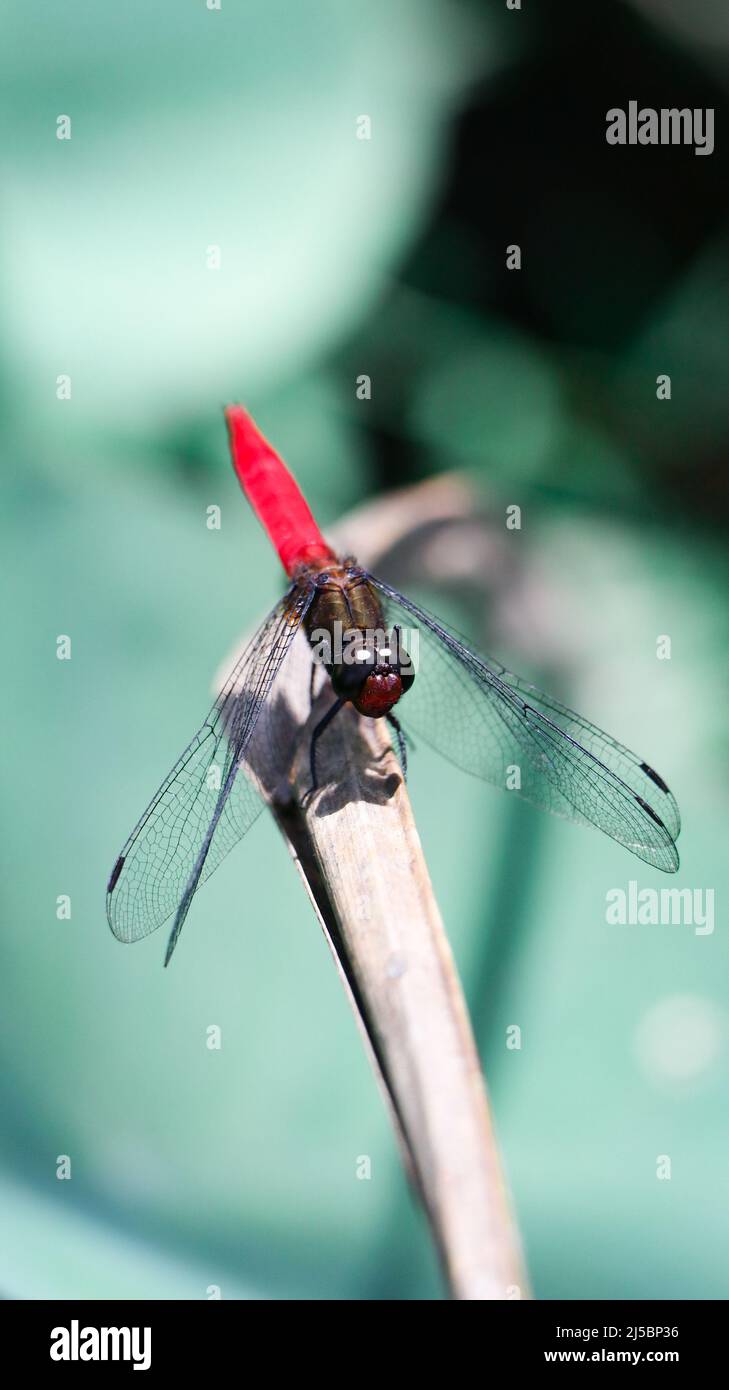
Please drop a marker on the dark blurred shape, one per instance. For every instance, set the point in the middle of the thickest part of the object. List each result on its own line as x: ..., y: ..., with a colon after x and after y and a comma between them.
x: 612, y: 239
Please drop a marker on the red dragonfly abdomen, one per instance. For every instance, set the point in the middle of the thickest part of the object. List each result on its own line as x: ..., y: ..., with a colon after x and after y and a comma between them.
x: 274, y: 495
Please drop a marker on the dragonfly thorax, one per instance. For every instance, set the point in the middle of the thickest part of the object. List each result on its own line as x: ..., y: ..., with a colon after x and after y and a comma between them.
x: 346, y: 626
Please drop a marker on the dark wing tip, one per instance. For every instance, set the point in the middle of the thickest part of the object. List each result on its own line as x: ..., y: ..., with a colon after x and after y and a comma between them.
x: 110, y: 901
x: 649, y: 811
x: 670, y: 809
x: 114, y: 877
x: 655, y: 777
x: 670, y: 857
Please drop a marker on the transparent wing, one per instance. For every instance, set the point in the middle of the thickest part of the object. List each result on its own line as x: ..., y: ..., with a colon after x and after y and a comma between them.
x: 207, y: 802
x: 497, y: 726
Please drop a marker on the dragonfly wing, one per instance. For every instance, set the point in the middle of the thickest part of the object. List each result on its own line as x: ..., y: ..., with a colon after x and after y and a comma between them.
x: 207, y: 802
x: 493, y: 724
x: 630, y: 768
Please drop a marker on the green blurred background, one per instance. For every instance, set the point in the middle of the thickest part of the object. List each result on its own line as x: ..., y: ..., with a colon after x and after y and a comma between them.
x: 237, y: 128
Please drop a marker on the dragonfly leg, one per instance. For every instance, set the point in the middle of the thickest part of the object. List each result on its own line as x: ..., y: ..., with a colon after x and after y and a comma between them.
x: 319, y: 730
x: 394, y: 722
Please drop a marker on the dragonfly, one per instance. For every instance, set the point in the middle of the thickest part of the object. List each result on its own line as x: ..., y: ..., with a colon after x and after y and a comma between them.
x: 467, y: 706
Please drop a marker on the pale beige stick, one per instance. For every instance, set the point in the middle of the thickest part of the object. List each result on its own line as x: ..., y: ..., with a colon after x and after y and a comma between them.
x: 367, y: 847
x: 357, y: 847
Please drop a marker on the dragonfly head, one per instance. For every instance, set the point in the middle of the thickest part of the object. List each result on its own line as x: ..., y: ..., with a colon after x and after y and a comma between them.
x: 374, y: 678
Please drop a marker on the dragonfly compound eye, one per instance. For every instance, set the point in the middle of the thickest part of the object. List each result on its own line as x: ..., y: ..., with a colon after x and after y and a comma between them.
x: 381, y: 690
x: 349, y: 678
